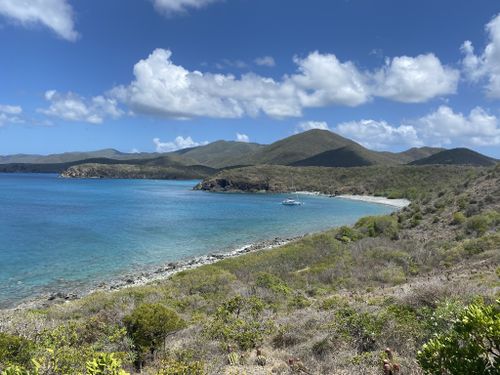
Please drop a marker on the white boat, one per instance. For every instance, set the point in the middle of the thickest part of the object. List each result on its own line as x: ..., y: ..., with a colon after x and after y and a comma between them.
x: 291, y: 202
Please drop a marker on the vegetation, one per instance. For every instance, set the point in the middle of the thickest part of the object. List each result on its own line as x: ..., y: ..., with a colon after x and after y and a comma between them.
x: 423, y: 281
x: 470, y: 346
x: 462, y: 156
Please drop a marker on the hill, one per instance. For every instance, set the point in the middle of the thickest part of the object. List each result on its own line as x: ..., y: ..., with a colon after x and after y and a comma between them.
x: 298, y: 147
x: 458, y: 156
x: 220, y: 154
x: 162, y: 161
x: 68, y: 157
x: 136, y: 171
x: 347, y: 156
x: 416, y: 153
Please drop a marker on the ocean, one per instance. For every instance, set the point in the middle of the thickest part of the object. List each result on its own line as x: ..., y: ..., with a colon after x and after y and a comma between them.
x: 58, y: 234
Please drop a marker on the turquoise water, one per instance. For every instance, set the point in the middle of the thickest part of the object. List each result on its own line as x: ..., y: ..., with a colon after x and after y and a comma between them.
x: 58, y: 234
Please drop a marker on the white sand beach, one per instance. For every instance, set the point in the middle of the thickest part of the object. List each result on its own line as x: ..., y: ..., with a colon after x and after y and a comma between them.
x: 400, y: 203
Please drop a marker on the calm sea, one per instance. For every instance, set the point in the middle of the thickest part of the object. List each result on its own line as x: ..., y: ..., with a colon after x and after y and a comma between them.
x: 58, y: 234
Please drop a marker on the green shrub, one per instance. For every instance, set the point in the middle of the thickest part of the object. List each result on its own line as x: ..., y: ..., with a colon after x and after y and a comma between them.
x: 469, y: 347
x: 105, y: 364
x: 239, y: 321
x: 458, y: 218
x: 375, y: 226
x: 480, y: 224
x: 150, y: 324
x: 14, y: 350
x: 272, y: 282
x: 347, y: 234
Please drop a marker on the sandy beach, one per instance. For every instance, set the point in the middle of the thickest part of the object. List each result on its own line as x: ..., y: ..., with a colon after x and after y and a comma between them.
x: 400, y: 203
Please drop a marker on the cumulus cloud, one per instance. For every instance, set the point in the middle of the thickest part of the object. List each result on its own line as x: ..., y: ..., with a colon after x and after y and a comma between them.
x: 242, y: 137
x: 72, y: 107
x: 10, y: 114
x: 487, y: 64
x: 324, y: 80
x: 309, y: 125
x: 177, y: 144
x: 379, y: 135
x: 265, y: 61
x: 444, y: 126
x: 415, y: 79
x: 176, y: 6
x: 166, y: 89
x: 54, y: 14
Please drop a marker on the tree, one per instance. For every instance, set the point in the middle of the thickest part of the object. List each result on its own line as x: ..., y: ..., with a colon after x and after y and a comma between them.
x: 471, y: 346
x: 150, y: 324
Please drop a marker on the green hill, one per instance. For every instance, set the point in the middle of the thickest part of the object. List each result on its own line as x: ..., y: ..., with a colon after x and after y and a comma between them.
x: 416, y: 153
x: 68, y: 157
x: 220, y: 154
x: 459, y: 156
x: 347, y: 156
x: 320, y: 148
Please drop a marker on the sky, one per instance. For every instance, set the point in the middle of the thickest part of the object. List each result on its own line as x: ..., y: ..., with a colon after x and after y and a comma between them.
x: 159, y: 75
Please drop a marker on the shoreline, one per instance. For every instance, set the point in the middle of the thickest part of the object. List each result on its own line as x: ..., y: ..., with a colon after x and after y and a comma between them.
x: 399, y: 203
x: 141, y: 278
x: 167, y: 270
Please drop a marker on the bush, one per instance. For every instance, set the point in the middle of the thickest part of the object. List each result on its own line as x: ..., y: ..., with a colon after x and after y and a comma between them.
x: 14, y: 350
x: 150, y: 324
x: 347, y: 234
x: 174, y: 367
x: 105, y: 364
x: 271, y: 282
x: 469, y: 347
x: 480, y: 224
x: 375, y: 226
x: 458, y: 218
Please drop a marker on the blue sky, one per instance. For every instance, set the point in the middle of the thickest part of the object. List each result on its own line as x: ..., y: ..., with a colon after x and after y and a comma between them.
x: 150, y: 75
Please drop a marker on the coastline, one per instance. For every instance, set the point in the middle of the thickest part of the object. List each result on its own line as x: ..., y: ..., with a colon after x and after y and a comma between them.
x: 154, y: 274
x: 165, y: 271
x: 399, y: 203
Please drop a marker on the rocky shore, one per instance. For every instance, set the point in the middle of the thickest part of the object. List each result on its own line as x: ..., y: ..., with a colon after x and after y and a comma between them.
x: 142, y: 278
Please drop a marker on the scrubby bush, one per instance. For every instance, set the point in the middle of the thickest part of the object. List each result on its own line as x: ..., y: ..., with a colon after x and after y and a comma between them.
x: 374, y: 226
x: 471, y: 346
x: 480, y: 224
x: 105, y: 364
x: 347, y: 234
x: 14, y: 350
x: 176, y: 367
x: 458, y: 218
x: 272, y: 282
x: 240, y: 321
x: 150, y: 324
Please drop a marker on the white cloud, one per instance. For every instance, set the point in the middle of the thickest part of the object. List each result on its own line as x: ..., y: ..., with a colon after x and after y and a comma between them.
x: 178, y: 144
x: 175, y: 6
x: 265, y: 61
x: 10, y: 109
x: 379, y: 134
x: 415, y: 79
x: 162, y: 88
x: 309, y: 125
x: 487, y: 64
x: 242, y: 137
x: 10, y: 114
x: 54, y: 14
x: 73, y: 107
x: 444, y: 126
x: 324, y: 80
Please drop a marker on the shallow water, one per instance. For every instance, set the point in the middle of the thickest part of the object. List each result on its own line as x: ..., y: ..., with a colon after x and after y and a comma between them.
x: 58, y: 234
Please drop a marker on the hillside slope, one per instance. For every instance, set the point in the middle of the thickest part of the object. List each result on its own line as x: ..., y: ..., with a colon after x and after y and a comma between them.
x: 221, y: 154
x: 458, y: 156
